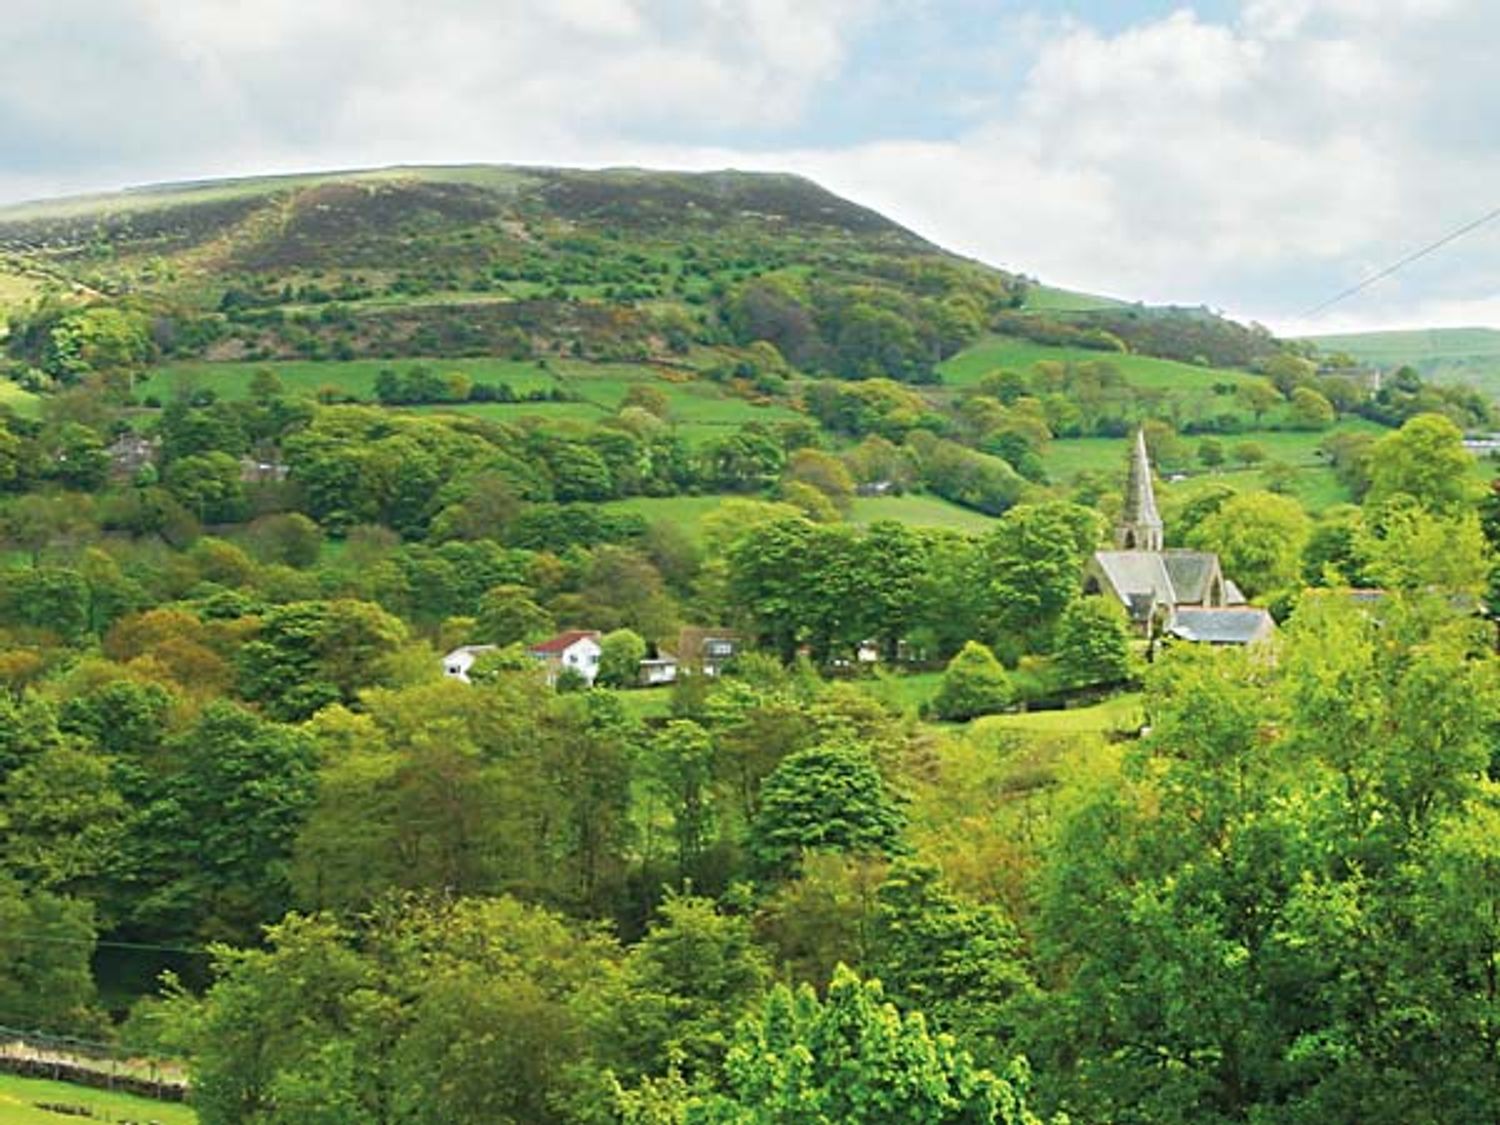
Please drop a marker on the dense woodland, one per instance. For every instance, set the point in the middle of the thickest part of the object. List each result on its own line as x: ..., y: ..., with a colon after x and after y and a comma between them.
x: 788, y: 893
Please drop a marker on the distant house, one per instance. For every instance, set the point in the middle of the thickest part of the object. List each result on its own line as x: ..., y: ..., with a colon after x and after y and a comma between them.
x: 129, y: 454
x: 1168, y: 590
x: 457, y: 663
x: 659, y: 669
x: 706, y: 650
x: 577, y: 651
x: 260, y: 470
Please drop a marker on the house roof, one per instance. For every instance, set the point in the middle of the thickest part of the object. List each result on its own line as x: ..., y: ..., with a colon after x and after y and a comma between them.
x: 1238, y: 625
x: 564, y: 641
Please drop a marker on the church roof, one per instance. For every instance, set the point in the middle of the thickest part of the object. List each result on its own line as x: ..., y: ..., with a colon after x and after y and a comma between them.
x: 1191, y: 572
x: 1237, y: 625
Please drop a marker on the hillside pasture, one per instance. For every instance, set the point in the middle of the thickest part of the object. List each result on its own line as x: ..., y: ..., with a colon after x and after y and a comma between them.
x: 1049, y: 298
x: 1315, y: 484
x: 1009, y: 353
x: 1444, y: 355
x: 594, y: 390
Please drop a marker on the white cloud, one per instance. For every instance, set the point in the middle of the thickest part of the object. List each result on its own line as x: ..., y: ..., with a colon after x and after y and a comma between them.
x: 1257, y: 163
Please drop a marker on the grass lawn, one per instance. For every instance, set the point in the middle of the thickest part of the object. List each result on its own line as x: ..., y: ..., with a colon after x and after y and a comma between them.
x: 1119, y: 713
x: 18, y: 1098
x: 646, y: 704
x: 904, y: 690
x: 920, y: 511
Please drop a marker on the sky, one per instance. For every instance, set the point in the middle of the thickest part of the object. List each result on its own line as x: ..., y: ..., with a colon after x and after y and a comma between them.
x: 1257, y: 157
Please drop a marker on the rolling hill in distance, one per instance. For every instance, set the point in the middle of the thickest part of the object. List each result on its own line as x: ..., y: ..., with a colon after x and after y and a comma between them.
x: 555, y: 295
x: 1445, y: 355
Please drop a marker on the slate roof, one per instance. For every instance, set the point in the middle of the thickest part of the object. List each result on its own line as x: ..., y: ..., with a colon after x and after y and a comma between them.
x: 563, y: 641
x: 1190, y: 572
x: 1135, y: 572
x: 1232, y: 626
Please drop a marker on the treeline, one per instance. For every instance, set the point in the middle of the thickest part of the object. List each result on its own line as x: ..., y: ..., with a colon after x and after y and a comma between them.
x: 1166, y: 944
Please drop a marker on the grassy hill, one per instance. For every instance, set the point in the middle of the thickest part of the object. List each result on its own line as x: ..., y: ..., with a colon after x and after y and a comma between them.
x: 1445, y: 355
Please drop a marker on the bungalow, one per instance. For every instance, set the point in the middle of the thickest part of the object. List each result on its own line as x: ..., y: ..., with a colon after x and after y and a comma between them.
x: 659, y: 669
x: 577, y: 651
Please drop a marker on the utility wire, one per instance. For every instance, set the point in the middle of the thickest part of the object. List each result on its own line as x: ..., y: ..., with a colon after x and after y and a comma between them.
x: 49, y: 939
x: 1451, y: 236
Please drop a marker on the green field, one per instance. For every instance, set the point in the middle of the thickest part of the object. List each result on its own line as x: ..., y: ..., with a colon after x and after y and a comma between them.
x: 906, y: 691
x: 1446, y: 355
x: 920, y: 511
x: 1315, y: 484
x: 687, y: 512
x: 698, y: 408
x: 1119, y: 713
x: 972, y: 364
x: 22, y: 402
x: 1048, y: 298
x: 19, y: 1098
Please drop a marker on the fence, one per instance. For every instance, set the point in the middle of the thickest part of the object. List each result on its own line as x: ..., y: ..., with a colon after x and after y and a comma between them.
x: 64, y: 1058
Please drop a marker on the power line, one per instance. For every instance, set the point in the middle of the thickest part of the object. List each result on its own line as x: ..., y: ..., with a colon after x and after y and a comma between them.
x: 50, y: 939
x: 1451, y: 236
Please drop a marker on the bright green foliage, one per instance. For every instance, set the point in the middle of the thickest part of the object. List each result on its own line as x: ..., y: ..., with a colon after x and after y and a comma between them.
x: 208, y: 485
x: 1310, y: 410
x: 960, y: 964
x: 463, y: 1013
x: 973, y: 684
x: 827, y: 798
x: 620, y: 658
x: 62, y: 820
x: 1258, y: 924
x: 1425, y: 460
x: 1402, y: 546
x: 854, y: 1057
x: 693, y: 977
x: 1259, y: 537
x: 507, y: 615
x: 46, y: 941
x: 1093, y: 643
x: 1029, y: 567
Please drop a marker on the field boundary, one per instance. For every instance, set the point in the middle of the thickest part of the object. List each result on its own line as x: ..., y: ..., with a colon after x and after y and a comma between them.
x: 84, y: 1063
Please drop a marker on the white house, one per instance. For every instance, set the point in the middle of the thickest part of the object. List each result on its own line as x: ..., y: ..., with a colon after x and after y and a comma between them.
x: 577, y: 651
x: 659, y: 669
x: 457, y: 663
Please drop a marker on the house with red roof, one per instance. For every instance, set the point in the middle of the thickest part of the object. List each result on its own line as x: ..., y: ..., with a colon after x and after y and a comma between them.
x: 577, y: 651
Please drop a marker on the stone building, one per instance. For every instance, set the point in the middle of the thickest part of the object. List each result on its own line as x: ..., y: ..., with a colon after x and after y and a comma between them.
x: 1168, y: 591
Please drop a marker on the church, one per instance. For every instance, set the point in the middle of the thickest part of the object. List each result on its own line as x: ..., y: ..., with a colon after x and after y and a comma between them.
x: 1168, y: 592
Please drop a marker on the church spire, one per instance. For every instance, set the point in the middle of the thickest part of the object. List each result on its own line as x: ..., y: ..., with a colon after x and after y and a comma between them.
x: 1140, y: 524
